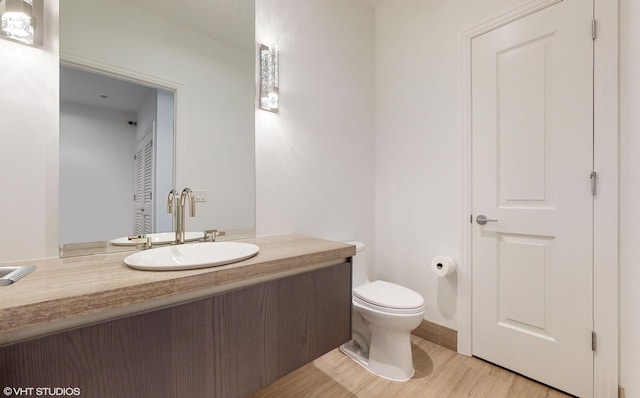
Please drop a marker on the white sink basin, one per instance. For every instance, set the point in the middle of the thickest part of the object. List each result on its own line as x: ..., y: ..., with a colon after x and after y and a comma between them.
x: 191, y: 256
x: 159, y: 238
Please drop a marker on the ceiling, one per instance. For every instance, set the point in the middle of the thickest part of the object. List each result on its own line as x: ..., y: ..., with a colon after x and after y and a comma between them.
x: 87, y: 88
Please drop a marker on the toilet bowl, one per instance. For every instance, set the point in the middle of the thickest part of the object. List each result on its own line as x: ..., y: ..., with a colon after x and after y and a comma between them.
x: 384, y: 314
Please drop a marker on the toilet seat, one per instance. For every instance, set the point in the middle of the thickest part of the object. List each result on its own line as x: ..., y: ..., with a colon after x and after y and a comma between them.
x: 388, y: 297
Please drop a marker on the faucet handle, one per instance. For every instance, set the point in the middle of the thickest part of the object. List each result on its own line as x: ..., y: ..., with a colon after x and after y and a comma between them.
x: 173, y: 196
x: 187, y: 192
x: 143, y: 240
x: 211, y: 234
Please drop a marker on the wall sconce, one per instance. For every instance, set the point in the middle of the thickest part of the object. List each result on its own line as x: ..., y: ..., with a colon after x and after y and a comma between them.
x: 18, y: 20
x: 269, y: 78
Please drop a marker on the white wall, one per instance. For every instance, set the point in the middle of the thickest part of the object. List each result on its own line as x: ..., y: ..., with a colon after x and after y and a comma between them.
x: 146, y: 115
x: 314, y: 159
x: 96, y: 173
x: 418, y: 141
x: 164, y: 159
x: 29, y: 91
x: 630, y: 196
x: 215, y: 98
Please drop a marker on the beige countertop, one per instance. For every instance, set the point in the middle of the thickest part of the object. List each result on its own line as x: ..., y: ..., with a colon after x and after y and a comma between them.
x: 71, y: 292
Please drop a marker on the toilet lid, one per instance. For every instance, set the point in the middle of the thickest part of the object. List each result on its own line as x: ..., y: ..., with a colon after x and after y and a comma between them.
x: 389, y: 295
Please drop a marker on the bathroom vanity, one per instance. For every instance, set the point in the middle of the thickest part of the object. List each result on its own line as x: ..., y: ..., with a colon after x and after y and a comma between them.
x: 94, y: 325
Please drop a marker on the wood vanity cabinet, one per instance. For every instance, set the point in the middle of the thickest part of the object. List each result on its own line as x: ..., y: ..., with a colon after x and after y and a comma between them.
x: 226, y: 345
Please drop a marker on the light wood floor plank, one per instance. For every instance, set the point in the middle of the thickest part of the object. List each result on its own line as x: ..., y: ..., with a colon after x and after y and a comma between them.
x: 439, y: 373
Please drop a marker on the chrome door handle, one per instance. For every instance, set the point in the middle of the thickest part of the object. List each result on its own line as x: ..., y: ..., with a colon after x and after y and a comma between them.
x: 482, y: 219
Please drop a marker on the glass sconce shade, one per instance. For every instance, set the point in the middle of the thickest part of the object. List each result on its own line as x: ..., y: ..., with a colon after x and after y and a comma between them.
x: 17, y: 26
x: 17, y: 21
x: 269, y: 76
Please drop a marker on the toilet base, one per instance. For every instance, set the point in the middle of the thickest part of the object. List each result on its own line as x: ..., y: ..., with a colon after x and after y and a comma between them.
x: 353, y: 351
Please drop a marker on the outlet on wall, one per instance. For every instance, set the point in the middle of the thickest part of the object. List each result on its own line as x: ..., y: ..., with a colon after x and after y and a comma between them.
x: 201, y: 196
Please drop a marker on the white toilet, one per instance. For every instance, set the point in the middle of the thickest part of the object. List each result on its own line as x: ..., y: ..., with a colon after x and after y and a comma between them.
x: 384, y: 314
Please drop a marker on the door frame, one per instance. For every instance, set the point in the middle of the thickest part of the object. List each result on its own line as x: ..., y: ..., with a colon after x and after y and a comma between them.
x: 605, y: 210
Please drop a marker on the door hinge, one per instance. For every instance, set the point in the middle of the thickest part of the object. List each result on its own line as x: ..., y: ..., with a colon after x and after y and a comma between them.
x: 594, y: 29
x: 594, y: 341
x: 594, y: 182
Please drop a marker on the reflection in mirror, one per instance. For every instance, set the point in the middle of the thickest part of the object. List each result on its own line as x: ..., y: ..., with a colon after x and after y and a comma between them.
x: 116, y: 157
x: 206, y: 57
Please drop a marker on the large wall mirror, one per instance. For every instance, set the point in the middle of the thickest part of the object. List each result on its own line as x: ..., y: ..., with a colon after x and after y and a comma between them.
x: 177, y: 74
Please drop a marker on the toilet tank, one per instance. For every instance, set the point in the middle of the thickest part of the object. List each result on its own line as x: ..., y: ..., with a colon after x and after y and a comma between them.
x: 359, y: 271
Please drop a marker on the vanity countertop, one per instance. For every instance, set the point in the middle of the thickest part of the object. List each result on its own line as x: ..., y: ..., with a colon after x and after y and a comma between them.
x: 70, y: 292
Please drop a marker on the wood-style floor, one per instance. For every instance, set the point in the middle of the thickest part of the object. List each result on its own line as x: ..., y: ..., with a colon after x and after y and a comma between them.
x: 439, y: 373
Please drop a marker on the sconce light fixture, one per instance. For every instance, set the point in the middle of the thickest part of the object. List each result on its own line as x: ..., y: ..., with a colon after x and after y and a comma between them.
x: 269, y: 80
x: 18, y: 20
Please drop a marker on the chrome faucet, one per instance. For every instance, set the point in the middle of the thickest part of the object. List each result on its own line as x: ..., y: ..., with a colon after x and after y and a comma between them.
x: 180, y: 218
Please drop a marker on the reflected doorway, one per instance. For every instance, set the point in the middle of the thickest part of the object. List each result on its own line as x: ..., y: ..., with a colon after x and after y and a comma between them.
x: 103, y: 121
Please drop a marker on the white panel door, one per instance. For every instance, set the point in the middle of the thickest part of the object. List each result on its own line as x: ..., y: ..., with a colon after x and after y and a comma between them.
x: 532, y: 139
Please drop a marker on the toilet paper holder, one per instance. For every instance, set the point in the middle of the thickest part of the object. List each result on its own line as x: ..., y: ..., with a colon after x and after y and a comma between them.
x: 443, y: 265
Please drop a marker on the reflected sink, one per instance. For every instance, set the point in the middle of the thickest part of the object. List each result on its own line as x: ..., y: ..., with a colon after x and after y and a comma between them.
x: 159, y: 238
x: 191, y: 256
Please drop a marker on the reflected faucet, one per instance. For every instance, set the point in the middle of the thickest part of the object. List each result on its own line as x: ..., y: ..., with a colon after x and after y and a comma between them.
x: 180, y: 218
x: 173, y: 195
x: 171, y: 202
